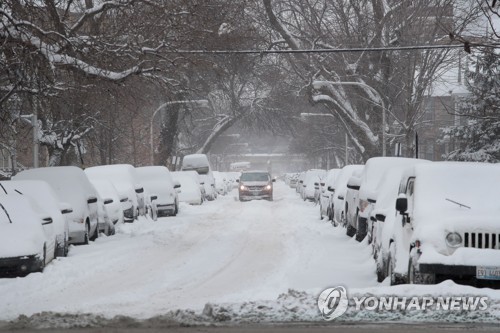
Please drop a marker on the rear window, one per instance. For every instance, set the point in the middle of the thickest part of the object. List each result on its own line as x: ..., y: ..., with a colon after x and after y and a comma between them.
x: 255, y: 177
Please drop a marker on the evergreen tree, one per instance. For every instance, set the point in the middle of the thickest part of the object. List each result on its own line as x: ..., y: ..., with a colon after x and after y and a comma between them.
x: 478, y: 134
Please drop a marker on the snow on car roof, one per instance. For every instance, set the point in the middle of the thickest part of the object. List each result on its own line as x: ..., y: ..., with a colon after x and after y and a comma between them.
x: 69, y: 183
x: 340, y: 184
x: 156, y: 179
x: 195, y: 161
x: 375, y: 168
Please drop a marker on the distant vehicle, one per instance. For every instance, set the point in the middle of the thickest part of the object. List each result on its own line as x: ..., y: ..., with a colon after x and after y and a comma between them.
x: 337, y: 201
x: 326, y: 192
x: 200, y: 164
x: 125, y: 180
x: 71, y: 186
x: 221, y: 183
x: 255, y: 185
x: 190, y: 187
x: 447, y: 224
x: 351, y: 201
x: 111, y: 199
x: 311, y: 184
x: 158, y: 182
x: 240, y: 166
x: 27, y: 239
x: 43, y: 196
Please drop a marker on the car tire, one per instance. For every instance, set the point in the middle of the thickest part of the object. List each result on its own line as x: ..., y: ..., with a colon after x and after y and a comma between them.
x: 86, y: 236
x: 350, y: 231
x: 96, y: 234
x: 42, y: 263
x: 360, y: 230
x: 415, y: 277
x: 394, y: 278
x: 60, y: 250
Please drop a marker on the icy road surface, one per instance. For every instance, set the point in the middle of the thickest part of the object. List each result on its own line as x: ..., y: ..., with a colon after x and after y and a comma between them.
x: 255, y: 261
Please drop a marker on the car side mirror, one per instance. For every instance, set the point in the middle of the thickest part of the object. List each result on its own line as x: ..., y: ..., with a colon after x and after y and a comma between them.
x: 47, y: 220
x: 108, y: 201
x: 154, y: 197
x: 237, y: 180
x: 330, y: 189
x: 92, y: 200
x: 274, y: 180
x: 402, y: 205
x: 301, y: 182
x: 65, y: 211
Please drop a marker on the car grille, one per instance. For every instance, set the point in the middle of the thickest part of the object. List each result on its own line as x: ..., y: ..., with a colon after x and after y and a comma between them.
x: 482, y: 240
x: 256, y: 188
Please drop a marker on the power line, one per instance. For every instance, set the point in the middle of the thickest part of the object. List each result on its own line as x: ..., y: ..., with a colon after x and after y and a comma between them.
x: 341, y: 50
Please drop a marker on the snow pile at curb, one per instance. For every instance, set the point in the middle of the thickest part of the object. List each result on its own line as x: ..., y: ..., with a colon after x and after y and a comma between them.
x: 293, y: 306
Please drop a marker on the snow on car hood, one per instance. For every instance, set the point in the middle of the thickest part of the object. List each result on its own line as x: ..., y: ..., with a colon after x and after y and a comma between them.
x: 24, y: 236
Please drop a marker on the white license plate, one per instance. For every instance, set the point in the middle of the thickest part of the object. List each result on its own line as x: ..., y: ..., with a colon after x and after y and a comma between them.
x: 488, y: 272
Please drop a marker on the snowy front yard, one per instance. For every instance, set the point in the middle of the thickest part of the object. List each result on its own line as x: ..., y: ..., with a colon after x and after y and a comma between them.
x: 251, y: 261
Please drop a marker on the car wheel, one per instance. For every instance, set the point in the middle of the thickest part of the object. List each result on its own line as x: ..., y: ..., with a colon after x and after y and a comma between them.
x: 380, y: 270
x: 66, y: 246
x: 350, y: 231
x: 395, y: 279
x: 361, y: 230
x: 42, y: 263
x: 86, y: 236
x: 96, y: 233
x: 60, y: 249
x: 415, y: 277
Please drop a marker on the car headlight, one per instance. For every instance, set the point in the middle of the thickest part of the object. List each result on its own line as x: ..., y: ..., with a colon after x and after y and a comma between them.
x: 268, y: 187
x: 242, y: 187
x: 453, y: 239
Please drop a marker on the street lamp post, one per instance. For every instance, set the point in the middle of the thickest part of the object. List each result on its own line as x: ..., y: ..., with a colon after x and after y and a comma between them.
x: 318, y: 84
x: 202, y: 102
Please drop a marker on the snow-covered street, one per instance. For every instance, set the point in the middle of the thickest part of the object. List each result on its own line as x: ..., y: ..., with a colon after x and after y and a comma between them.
x: 254, y: 257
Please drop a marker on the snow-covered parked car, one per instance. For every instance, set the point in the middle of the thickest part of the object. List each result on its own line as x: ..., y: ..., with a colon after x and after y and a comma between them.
x: 27, y: 237
x: 447, y: 224
x: 125, y: 180
x: 190, y: 187
x: 222, y: 183
x: 337, y: 200
x: 44, y: 197
x: 161, y: 188
x: 351, y: 201
x: 311, y: 182
x: 383, y: 217
x: 111, y: 200
x: 326, y: 192
x: 200, y: 164
x: 71, y: 186
x: 255, y: 185
x: 370, y: 178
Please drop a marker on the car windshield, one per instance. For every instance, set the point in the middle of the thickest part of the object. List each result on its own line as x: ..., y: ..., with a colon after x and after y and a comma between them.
x: 255, y: 177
